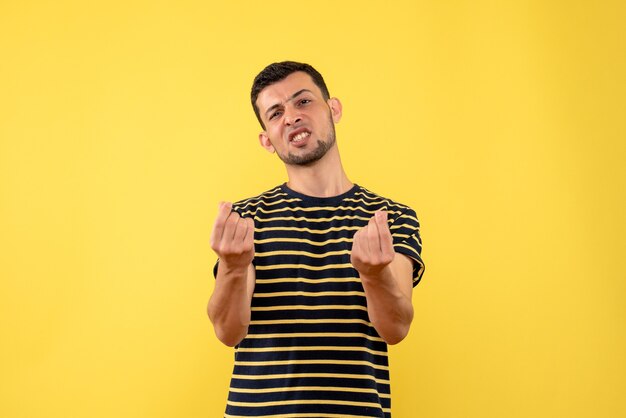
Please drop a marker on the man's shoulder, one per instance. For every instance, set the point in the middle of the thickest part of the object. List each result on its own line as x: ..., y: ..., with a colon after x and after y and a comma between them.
x: 368, y: 197
x: 250, y: 204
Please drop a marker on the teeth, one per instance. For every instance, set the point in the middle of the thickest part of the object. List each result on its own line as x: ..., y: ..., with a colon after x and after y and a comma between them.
x: 300, y: 137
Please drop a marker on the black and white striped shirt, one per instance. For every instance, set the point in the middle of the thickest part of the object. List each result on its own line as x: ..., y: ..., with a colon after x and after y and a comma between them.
x: 311, y: 351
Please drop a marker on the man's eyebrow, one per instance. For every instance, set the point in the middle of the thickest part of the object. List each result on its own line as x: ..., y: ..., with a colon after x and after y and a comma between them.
x: 293, y: 96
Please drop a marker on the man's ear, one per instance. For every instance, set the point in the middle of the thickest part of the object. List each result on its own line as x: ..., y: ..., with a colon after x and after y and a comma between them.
x: 264, y: 140
x: 335, y: 109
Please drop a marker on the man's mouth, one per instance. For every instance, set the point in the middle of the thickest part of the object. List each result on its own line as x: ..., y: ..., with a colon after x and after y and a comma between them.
x: 299, y: 135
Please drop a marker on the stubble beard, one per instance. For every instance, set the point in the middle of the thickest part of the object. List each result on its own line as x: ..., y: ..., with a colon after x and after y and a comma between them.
x: 315, y: 155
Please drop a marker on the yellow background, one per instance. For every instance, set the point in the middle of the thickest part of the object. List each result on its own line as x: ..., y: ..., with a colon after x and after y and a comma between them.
x: 122, y: 124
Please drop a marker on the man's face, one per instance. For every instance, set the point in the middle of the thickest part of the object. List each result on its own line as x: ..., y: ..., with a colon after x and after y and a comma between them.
x: 299, y: 123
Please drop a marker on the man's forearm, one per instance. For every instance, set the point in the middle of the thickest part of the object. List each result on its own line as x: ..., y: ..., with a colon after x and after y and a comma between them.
x: 229, y: 306
x: 389, y: 309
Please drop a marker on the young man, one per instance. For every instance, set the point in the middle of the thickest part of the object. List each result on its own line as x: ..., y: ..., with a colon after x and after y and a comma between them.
x: 314, y: 276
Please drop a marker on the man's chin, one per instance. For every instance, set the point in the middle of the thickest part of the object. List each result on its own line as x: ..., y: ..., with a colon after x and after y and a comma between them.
x: 309, y: 158
x: 301, y: 160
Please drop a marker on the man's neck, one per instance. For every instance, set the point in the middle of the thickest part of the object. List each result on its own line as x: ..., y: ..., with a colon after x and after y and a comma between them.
x: 324, y: 178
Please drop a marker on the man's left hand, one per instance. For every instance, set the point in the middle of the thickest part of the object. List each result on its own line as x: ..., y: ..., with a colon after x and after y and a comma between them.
x: 372, y: 246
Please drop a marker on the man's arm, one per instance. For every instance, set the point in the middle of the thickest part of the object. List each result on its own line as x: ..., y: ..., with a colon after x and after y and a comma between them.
x: 387, y: 279
x: 232, y: 239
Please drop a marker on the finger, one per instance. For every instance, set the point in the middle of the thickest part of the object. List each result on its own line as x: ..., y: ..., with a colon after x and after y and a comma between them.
x: 249, y: 238
x: 230, y: 226
x: 363, y: 242
x: 223, y: 210
x: 240, y: 231
x: 373, y: 237
x: 355, y: 244
x: 356, y: 253
x: 386, y: 240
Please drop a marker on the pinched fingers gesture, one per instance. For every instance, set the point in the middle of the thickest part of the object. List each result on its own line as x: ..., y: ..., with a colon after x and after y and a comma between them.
x: 372, y: 246
x: 232, y: 237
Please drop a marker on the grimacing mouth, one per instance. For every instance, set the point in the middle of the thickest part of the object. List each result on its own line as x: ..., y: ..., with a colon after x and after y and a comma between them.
x: 299, y: 134
x: 300, y: 137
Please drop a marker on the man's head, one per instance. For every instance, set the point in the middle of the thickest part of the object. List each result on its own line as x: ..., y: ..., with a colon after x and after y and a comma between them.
x: 278, y: 71
x: 297, y: 115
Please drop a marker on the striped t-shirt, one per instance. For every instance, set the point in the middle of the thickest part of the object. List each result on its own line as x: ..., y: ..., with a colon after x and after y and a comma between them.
x: 311, y: 351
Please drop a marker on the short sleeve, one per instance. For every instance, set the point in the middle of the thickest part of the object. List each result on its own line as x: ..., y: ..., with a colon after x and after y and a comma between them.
x: 405, y: 230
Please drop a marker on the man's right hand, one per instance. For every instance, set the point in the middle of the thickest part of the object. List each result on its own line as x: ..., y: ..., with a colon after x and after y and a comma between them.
x: 232, y: 238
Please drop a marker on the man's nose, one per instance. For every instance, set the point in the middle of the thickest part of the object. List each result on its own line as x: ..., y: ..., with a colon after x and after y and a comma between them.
x: 292, y: 116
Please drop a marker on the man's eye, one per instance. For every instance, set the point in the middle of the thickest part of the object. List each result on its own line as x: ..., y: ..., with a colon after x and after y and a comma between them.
x: 275, y: 114
x: 305, y: 101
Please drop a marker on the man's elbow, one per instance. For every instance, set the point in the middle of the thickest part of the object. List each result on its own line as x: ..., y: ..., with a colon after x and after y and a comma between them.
x: 227, y: 334
x: 397, y: 335
x: 398, y: 329
x: 229, y: 338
